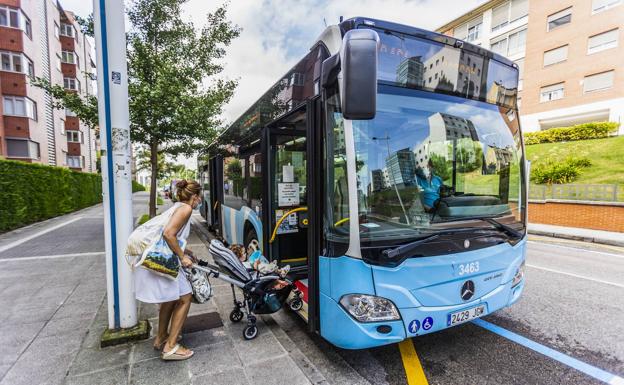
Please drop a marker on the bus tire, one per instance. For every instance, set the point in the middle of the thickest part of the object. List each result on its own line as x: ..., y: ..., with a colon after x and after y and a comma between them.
x: 251, y: 239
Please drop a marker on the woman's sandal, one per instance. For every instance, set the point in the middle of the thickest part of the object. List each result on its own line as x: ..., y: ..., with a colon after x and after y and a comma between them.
x: 173, y: 355
x: 162, y: 344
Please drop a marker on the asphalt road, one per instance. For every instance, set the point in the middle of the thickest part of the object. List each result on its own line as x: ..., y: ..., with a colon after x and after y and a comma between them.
x: 572, y: 303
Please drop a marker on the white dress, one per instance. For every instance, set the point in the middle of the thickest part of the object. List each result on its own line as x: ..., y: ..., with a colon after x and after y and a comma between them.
x: 153, y: 288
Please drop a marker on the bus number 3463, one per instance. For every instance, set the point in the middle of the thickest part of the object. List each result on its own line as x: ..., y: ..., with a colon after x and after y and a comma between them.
x: 468, y: 268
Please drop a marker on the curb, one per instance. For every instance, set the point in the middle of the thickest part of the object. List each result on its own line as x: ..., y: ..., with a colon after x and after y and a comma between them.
x: 603, y: 241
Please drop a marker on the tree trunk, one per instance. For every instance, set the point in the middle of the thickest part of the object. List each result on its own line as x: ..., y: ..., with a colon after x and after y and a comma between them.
x: 154, y: 164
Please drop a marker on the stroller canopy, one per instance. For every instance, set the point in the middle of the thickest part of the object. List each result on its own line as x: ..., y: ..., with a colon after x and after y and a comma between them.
x: 226, y: 259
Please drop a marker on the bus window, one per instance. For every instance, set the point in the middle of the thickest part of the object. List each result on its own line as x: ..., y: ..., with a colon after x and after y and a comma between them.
x: 255, y: 182
x: 234, y: 186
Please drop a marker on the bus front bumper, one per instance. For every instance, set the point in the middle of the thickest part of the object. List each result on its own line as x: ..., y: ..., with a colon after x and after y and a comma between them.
x: 344, y: 331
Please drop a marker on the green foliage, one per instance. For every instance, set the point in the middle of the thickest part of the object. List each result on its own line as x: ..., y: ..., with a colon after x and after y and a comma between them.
x: 176, y: 94
x: 583, y: 131
x: 144, y: 218
x: 33, y: 192
x: 553, y: 172
x: 469, y: 157
x: 441, y: 167
x: 86, y: 25
x: 136, y: 186
x: 159, y: 201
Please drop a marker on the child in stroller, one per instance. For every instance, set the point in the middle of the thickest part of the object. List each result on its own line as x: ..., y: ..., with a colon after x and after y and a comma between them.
x: 262, y: 293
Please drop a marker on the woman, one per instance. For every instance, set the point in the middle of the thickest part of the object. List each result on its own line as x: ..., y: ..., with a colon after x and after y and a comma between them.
x: 174, y: 297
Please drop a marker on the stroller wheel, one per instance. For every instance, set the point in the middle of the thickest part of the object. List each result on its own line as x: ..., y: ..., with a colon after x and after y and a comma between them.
x: 296, y: 304
x: 250, y: 332
x: 236, y: 315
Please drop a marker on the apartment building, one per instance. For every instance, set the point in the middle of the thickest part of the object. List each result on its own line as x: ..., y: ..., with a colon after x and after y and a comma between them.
x: 38, y: 38
x: 569, y: 52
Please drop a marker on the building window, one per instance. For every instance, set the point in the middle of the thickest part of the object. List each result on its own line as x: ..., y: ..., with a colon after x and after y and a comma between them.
x: 556, y: 55
x: 560, y: 18
x: 296, y: 79
x: 500, y: 46
x: 67, y: 30
x: 20, y: 106
x: 603, y: 5
x: 27, y: 27
x: 603, y: 41
x: 517, y: 42
x: 508, y: 13
x: 69, y: 112
x: 22, y: 148
x: 552, y: 92
x: 74, y: 136
x: 71, y: 84
x: 69, y: 57
x: 598, y: 82
x: 520, y: 64
x: 57, y: 31
x: 9, y: 17
x: 74, y: 161
x: 469, y: 31
x: 12, y: 61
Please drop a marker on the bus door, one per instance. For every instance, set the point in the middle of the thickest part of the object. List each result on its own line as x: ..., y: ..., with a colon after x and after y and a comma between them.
x: 287, y: 208
x: 215, y: 165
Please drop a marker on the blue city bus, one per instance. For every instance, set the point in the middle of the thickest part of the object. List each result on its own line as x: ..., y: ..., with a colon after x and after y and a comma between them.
x: 387, y: 169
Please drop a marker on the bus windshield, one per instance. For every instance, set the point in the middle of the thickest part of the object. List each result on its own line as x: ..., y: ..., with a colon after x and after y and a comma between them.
x: 428, y: 160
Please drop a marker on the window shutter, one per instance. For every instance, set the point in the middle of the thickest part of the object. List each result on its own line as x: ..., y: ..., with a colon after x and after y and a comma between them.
x: 519, y: 8
x: 606, y: 39
x: 500, y: 15
x: 555, y: 55
x: 598, y: 82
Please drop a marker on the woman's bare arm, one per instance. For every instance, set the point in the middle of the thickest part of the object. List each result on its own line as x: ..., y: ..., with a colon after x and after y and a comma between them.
x: 170, y: 233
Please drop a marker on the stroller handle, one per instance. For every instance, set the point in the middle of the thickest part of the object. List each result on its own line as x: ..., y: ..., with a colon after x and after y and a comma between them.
x: 213, y: 271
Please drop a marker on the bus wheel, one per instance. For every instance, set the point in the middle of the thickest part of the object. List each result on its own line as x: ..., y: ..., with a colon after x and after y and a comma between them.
x: 251, y: 241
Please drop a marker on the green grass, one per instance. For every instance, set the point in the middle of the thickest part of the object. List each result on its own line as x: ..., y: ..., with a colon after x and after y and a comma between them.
x: 144, y: 218
x: 159, y: 200
x: 606, y: 155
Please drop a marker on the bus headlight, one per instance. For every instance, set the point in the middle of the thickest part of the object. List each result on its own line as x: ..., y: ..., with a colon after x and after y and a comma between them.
x: 369, y: 308
x: 519, y: 276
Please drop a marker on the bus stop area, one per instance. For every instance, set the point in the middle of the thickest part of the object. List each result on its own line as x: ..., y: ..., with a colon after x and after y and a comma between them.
x: 566, y: 329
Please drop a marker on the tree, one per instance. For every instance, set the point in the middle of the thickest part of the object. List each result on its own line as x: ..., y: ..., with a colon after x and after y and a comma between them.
x: 86, y: 25
x: 175, y: 97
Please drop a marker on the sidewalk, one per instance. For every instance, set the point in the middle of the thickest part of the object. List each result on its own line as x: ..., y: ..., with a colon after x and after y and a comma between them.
x: 578, y: 234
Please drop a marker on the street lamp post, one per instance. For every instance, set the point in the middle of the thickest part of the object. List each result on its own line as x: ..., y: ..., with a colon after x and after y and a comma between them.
x: 110, y: 39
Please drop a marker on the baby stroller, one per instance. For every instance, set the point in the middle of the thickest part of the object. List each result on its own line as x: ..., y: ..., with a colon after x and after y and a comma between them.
x: 259, y: 294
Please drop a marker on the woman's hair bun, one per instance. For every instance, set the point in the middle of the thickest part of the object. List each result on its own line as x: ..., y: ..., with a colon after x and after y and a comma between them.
x: 182, y: 183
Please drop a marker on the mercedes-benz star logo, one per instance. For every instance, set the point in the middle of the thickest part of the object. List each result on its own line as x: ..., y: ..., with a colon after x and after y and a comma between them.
x: 467, y: 290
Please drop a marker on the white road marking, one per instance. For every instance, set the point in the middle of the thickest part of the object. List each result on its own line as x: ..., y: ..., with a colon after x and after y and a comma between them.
x: 579, y: 249
x: 53, y: 256
x: 576, y: 276
x: 28, y: 238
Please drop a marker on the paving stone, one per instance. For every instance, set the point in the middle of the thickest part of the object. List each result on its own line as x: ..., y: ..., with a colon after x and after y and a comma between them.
x: 263, y: 347
x: 157, y: 371
x: 114, y: 376
x: 90, y: 358
x: 228, y: 377
x: 278, y: 371
x: 214, y: 358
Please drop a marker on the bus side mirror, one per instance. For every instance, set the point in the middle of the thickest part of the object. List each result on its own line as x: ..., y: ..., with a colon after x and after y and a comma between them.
x: 358, y: 61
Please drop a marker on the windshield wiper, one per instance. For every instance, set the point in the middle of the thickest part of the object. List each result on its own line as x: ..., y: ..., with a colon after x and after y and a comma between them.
x: 408, y: 247
x: 501, y: 226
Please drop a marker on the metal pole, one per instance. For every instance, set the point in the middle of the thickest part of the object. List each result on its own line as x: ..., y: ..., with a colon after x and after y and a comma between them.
x: 114, y: 121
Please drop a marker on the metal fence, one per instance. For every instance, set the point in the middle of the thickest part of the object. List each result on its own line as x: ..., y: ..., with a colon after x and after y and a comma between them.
x: 586, y: 192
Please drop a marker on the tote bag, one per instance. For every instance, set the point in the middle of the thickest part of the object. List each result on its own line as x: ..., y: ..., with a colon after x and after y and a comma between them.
x: 148, y: 249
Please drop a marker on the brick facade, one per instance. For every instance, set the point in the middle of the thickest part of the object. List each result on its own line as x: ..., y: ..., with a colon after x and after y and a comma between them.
x: 16, y: 127
x: 588, y: 215
x: 13, y: 83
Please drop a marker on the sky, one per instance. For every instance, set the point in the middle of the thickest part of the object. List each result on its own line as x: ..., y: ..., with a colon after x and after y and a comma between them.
x: 277, y: 33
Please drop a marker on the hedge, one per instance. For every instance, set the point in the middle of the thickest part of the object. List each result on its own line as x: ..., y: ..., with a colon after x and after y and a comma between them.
x: 583, y: 131
x: 33, y: 192
x: 136, y: 186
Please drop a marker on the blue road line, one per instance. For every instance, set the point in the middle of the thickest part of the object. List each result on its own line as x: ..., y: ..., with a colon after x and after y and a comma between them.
x: 581, y: 366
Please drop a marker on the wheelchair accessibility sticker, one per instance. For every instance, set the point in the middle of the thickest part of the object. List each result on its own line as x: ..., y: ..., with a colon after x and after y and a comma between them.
x: 427, y: 323
x: 413, y: 326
